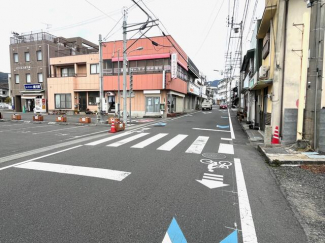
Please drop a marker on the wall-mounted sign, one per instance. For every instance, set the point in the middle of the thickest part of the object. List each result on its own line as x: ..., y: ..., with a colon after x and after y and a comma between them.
x: 22, y: 67
x: 33, y: 86
x: 40, y: 105
x: 173, y: 65
x: 192, y: 88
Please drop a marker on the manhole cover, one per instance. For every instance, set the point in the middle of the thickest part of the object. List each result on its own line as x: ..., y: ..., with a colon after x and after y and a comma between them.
x: 213, y: 156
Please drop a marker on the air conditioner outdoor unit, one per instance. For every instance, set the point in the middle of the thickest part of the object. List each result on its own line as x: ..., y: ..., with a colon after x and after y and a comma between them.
x: 263, y: 71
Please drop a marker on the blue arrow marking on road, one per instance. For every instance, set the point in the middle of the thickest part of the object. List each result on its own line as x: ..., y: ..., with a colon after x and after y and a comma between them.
x: 223, y: 127
x: 232, y: 238
x: 174, y: 234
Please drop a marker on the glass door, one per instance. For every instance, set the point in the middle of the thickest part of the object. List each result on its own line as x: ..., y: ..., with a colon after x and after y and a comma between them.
x: 153, y: 104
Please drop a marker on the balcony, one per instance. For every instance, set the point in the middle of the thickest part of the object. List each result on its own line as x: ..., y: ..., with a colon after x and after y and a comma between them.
x: 64, y: 75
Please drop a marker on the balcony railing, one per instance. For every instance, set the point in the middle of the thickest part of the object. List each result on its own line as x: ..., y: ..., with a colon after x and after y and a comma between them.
x: 147, y: 69
x: 64, y: 75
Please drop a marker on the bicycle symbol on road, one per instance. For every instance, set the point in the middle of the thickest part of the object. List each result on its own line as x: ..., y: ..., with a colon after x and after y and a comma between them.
x: 215, y: 164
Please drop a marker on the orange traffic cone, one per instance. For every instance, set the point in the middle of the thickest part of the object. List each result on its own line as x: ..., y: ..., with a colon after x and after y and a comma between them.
x: 275, y: 138
x: 113, y: 130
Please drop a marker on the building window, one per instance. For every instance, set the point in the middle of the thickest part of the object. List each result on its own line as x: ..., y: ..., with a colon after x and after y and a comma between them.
x: 28, y: 78
x: 152, y: 104
x: 16, y: 57
x: 3, y: 92
x: 94, y: 68
x: 67, y: 72
x: 266, y: 45
x: 62, y: 101
x: 39, y: 56
x: 27, y: 57
x: 40, y: 77
x: 17, y: 78
x: 92, y: 97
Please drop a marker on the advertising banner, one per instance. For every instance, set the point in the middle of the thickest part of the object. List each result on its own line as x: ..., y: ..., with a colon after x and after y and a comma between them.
x: 174, y: 65
x: 193, y: 89
x: 40, y: 105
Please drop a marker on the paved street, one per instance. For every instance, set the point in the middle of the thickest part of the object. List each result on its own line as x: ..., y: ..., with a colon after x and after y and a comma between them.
x: 197, y: 178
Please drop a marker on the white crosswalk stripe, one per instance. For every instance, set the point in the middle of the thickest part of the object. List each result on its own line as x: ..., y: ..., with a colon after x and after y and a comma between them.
x: 108, y: 139
x: 127, y: 140
x: 198, y: 145
x: 150, y: 140
x: 226, y: 148
x: 172, y: 143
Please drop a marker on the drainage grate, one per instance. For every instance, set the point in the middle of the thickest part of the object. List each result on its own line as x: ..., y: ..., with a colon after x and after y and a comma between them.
x: 213, y: 156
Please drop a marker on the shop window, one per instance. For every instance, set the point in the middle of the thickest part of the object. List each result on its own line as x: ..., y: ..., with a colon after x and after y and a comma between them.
x: 62, y: 101
x: 94, y: 68
x: 92, y: 97
x: 152, y: 104
x: 28, y: 78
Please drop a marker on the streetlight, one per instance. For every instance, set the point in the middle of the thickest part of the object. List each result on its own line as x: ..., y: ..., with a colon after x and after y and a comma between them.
x: 124, y: 94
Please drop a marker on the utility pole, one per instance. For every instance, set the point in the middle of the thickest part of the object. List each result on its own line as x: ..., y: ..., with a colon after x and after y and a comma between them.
x: 240, y: 83
x: 99, y: 113
x: 118, y: 83
x: 314, y: 76
x: 124, y: 66
x: 131, y: 89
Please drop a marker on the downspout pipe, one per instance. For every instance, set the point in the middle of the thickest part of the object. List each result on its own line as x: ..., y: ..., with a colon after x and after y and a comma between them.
x: 284, y: 62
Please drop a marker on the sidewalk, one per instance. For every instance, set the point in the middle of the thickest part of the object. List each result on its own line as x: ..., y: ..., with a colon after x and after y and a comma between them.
x: 71, y: 119
x: 301, y: 180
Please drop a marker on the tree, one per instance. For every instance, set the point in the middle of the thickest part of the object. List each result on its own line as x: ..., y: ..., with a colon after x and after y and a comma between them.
x: 8, y: 100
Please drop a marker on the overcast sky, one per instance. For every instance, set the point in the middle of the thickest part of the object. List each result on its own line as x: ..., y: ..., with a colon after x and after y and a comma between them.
x: 198, y: 26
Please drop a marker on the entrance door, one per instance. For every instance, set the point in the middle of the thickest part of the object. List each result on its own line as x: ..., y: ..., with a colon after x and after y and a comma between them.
x: 152, y: 104
x: 264, y: 108
x: 173, y: 105
x: 82, y: 101
x: 18, y: 103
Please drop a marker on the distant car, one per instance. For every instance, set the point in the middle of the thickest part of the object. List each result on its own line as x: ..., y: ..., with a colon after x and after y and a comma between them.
x: 207, y: 104
x: 223, y: 106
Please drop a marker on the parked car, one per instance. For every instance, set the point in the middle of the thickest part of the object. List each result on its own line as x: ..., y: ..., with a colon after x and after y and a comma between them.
x: 207, y: 104
x: 223, y: 106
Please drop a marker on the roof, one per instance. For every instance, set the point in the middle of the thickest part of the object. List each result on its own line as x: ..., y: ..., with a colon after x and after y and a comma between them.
x: 249, y: 55
x: 4, y: 86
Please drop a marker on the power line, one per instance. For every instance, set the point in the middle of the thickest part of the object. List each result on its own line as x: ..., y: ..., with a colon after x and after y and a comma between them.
x: 210, y: 28
x: 100, y: 10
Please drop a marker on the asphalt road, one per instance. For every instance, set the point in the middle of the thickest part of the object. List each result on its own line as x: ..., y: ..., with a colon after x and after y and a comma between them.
x: 206, y: 179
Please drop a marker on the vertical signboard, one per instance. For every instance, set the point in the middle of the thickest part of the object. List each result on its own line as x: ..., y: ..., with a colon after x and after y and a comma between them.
x: 174, y: 65
x: 40, y: 105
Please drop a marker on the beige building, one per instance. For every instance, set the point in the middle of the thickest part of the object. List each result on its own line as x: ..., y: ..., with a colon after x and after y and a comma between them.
x: 74, y: 83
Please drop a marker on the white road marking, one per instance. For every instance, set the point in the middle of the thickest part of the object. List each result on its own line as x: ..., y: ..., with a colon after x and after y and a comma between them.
x: 226, y: 148
x: 172, y: 143
x: 198, y: 145
x: 76, y: 170
x: 108, y: 139
x: 231, y: 128
x: 85, y: 135
x: 61, y: 151
x: 58, y: 130
x: 247, y: 222
x: 206, y: 129
x: 149, y: 140
x: 166, y: 239
x: 127, y: 140
x: 227, y: 139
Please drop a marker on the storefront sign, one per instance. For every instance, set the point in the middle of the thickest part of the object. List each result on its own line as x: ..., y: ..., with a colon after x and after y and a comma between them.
x: 40, y: 105
x: 174, y: 65
x: 192, y: 88
x: 22, y: 67
x: 33, y: 86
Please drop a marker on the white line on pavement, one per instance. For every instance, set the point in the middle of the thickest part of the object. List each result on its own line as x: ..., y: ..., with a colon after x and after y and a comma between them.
x: 149, y: 140
x: 61, y: 151
x: 58, y: 130
x: 108, y: 139
x: 247, y: 222
x: 124, y: 141
x: 227, y: 139
x: 198, y: 145
x: 76, y: 170
x: 85, y: 135
x: 172, y: 143
x: 206, y: 129
x: 226, y: 148
x: 231, y: 128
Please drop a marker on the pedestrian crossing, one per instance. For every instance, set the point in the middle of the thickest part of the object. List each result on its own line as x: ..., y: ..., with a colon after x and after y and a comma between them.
x: 196, y: 147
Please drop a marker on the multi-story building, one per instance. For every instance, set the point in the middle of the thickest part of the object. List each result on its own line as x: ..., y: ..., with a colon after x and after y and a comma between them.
x: 74, y: 83
x: 162, y: 75
x: 29, y: 61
